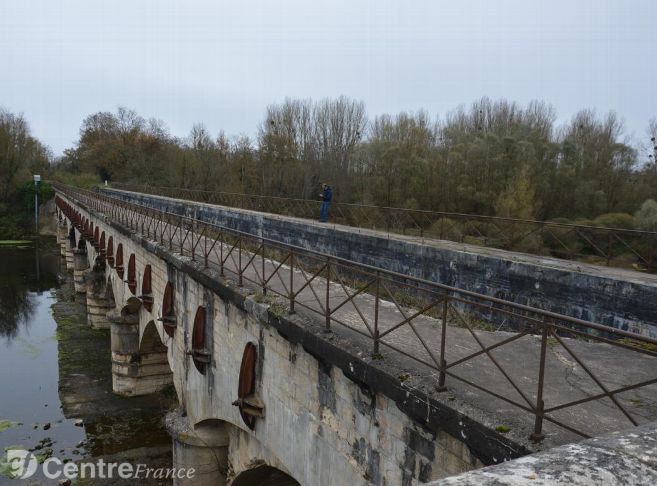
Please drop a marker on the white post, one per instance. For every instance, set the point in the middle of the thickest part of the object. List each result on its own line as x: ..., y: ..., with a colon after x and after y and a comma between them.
x: 37, y: 179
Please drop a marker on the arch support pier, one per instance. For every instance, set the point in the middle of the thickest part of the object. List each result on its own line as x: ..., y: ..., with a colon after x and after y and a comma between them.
x: 203, y: 448
x: 136, y: 371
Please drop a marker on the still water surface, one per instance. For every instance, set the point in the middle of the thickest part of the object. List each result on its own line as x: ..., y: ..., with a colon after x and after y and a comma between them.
x: 55, y: 373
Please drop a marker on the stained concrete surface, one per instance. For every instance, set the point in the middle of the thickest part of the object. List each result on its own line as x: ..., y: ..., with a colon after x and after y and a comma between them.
x: 614, y: 297
x: 622, y: 458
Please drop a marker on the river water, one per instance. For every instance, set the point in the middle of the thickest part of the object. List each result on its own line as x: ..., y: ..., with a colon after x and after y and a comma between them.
x: 56, y: 395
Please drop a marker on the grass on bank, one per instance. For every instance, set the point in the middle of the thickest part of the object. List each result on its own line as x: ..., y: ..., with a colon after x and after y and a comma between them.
x: 14, y: 242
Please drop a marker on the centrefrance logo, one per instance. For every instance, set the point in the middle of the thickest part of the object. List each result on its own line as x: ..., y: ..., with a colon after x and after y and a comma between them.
x: 22, y: 464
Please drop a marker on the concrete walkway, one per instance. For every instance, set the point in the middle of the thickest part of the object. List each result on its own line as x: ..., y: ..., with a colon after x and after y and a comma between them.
x: 565, y: 379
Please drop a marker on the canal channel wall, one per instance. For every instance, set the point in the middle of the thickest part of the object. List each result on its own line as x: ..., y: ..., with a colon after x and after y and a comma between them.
x: 617, y: 298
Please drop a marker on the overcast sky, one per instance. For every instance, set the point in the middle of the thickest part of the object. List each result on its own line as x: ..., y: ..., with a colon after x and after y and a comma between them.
x: 221, y: 62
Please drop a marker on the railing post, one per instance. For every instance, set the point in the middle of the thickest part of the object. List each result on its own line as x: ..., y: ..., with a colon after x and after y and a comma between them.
x: 192, y: 232
x: 264, y: 280
x: 327, y: 304
x: 608, y: 247
x: 376, y: 313
x: 537, y: 435
x: 205, y: 251
x: 291, y: 281
x: 240, y: 282
x: 180, y: 238
x: 443, y: 339
x: 221, y: 253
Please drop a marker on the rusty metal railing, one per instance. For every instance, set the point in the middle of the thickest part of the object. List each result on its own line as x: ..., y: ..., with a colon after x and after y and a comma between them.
x: 594, y: 244
x: 442, y: 329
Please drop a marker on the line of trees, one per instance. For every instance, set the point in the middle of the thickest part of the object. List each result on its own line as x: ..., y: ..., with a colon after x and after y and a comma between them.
x: 493, y: 158
x: 21, y: 155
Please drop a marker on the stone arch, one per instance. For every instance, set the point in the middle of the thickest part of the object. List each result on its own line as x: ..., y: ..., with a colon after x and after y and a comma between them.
x: 132, y: 274
x: 82, y: 245
x: 150, y: 340
x: 264, y: 476
x: 101, y: 245
x: 109, y: 293
x: 211, y: 426
x: 96, y: 236
x: 203, y: 447
x: 131, y: 307
x: 153, y: 369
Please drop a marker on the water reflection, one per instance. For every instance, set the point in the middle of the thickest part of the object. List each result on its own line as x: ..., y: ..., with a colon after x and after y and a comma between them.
x: 24, y: 271
x: 55, y: 374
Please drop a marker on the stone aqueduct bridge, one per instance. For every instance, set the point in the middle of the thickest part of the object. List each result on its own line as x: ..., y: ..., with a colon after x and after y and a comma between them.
x: 172, y: 323
x: 270, y: 395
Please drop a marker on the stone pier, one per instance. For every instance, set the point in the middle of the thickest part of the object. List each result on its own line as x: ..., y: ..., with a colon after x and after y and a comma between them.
x: 124, y: 328
x: 203, y: 449
x: 136, y: 370
x: 62, y: 237
x: 80, y: 267
x: 98, y: 304
x: 70, y: 249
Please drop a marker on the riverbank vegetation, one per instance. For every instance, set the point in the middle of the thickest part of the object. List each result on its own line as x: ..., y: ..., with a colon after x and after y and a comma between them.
x: 21, y: 156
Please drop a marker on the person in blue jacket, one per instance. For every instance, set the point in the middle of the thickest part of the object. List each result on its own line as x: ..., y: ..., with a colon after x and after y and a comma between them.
x: 326, y: 195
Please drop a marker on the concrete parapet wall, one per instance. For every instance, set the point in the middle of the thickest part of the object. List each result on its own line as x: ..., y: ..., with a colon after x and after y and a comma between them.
x: 628, y: 458
x: 618, y: 298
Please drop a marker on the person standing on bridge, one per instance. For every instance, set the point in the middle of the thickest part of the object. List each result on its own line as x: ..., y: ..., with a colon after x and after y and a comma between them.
x: 326, y: 195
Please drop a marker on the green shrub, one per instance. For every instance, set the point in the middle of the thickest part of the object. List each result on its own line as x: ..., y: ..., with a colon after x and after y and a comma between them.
x: 82, y: 180
x: 646, y: 217
x: 28, y: 190
x: 564, y: 241
x: 446, y: 229
x: 615, y: 220
x: 11, y: 227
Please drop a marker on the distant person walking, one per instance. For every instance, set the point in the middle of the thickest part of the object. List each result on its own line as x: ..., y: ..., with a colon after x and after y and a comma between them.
x: 326, y: 195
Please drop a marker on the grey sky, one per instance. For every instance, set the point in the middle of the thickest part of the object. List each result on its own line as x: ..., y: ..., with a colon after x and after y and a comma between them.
x: 222, y: 62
